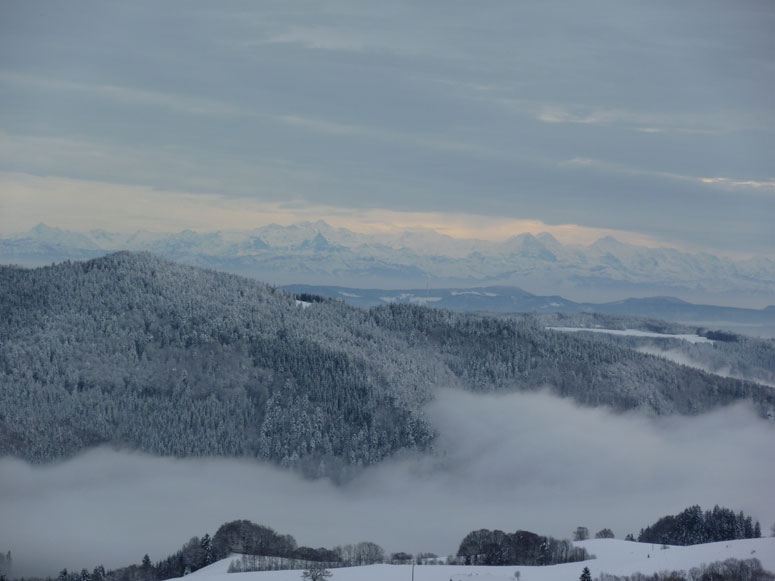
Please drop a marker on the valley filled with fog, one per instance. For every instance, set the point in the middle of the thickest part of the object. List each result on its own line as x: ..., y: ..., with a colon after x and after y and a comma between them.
x: 511, y: 461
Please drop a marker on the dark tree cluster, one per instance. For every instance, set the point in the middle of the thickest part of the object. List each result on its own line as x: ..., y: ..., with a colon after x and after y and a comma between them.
x: 486, y: 547
x: 243, y: 536
x: 693, y: 526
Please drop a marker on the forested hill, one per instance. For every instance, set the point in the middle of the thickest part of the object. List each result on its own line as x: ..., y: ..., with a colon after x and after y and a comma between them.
x: 132, y: 350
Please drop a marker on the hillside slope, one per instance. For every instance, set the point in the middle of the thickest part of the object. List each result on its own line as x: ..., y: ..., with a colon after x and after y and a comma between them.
x: 133, y: 350
x: 614, y: 557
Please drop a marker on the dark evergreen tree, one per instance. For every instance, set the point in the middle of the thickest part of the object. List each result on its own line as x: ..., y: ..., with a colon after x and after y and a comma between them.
x: 98, y: 574
x: 207, y: 548
x: 585, y: 575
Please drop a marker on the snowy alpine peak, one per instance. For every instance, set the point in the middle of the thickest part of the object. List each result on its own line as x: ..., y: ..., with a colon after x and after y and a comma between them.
x: 606, y: 270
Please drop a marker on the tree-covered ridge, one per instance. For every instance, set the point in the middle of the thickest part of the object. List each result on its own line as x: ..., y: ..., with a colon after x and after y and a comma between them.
x: 132, y: 350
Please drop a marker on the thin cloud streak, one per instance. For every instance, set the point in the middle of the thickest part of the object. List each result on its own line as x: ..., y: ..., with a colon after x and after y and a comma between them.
x: 751, y: 187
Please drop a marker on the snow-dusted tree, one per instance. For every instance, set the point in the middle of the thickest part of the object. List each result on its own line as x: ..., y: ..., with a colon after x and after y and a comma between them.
x: 316, y: 573
x: 146, y: 568
x: 207, y: 548
x: 98, y: 574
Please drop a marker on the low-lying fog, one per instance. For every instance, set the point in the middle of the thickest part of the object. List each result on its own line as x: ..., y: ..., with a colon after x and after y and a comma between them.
x: 517, y: 461
x: 676, y: 356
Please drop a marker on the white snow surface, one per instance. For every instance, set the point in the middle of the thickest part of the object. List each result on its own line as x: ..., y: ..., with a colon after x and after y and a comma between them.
x: 612, y: 556
x: 635, y: 333
x: 411, y: 298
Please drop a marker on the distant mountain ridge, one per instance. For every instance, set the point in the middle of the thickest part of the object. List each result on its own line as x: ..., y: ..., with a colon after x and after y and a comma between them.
x: 317, y: 253
x: 503, y: 299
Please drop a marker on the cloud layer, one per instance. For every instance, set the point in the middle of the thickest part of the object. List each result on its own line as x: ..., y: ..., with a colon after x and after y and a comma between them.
x: 410, y: 108
x: 515, y: 461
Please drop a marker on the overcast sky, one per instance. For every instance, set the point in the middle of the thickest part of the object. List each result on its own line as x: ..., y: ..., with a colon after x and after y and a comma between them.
x: 654, y: 118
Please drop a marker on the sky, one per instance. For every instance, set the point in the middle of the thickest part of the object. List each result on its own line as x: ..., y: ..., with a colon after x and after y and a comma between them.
x: 509, y: 462
x: 651, y: 119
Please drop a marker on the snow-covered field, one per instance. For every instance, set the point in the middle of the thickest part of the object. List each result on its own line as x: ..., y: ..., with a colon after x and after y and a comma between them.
x: 634, y: 333
x: 613, y: 556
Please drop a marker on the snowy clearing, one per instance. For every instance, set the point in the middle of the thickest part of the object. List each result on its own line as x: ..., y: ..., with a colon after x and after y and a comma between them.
x: 414, y: 299
x: 613, y: 556
x: 634, y: 333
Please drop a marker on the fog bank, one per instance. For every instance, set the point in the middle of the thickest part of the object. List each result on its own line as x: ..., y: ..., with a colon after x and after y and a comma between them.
x: 528, y: 461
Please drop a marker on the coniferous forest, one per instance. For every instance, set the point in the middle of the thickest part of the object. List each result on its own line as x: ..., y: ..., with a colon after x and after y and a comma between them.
x: 135, y: 351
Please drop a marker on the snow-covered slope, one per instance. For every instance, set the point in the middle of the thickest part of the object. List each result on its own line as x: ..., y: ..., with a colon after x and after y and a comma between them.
x: 613, y: 556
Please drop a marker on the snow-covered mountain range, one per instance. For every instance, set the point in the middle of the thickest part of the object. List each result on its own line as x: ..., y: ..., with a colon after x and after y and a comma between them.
x: 317, y: 253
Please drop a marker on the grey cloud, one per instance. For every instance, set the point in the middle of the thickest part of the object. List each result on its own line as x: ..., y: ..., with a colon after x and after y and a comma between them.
x: 412, y: 107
